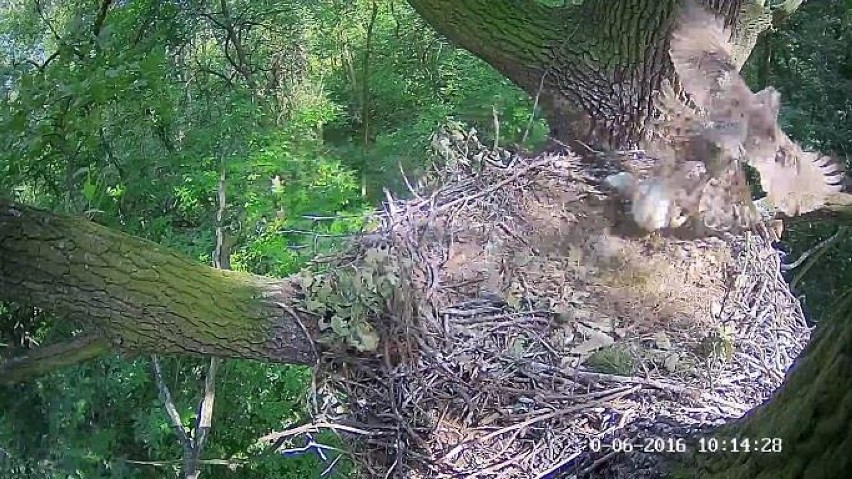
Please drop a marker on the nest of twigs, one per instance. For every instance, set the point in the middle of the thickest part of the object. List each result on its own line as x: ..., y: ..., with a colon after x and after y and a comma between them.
x: 531, y: 333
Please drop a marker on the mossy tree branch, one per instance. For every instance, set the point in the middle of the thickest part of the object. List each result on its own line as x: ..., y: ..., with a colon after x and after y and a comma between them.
x: 143, y: 298
x: 42, y: 360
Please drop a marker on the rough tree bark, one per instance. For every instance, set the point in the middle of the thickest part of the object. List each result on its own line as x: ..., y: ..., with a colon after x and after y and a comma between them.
x: 139, y: 297
x: 594, y: 66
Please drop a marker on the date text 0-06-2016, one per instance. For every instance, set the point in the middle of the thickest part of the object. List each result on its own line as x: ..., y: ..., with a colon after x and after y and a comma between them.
x: 769, y: 445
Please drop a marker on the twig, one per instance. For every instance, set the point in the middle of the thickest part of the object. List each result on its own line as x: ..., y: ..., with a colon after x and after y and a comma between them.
x: 272, y: 437
x: 411, y: 189
x: 535, y: 106
x: 514, y: 177
x: 169, y: 405
x: 822, y: 244
x: 496, y: 127
x: 548, y: 472
x: 822, y: 249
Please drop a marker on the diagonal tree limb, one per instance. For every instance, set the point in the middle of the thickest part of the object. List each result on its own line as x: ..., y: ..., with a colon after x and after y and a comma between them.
x: 143, y: 298
x: 42, y: 360
x: 171, y: 409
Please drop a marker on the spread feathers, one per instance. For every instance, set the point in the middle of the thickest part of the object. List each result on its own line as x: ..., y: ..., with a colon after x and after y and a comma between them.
x: 725, y: 126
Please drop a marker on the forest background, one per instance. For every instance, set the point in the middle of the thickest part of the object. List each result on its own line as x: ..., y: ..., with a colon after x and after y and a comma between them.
x: 308, y: 109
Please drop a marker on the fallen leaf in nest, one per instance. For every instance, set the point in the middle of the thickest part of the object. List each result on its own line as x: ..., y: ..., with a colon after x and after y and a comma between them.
x: 594, y: 340
x: 671, y: 362
x: 661, y: 339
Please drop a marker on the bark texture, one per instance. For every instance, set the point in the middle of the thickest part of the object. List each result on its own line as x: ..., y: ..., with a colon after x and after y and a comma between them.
x: 811, y: 415
x: 142, y: 297
x: 594, y: 66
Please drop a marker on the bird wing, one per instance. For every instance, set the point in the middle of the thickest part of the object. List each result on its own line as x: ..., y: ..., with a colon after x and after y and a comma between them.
x: 701, y: 53
x: 743, y: 124
x: 725, y: 203
x: 798, y: 181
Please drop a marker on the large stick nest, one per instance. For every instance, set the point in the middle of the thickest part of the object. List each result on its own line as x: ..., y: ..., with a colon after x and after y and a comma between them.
x: 525, y: 329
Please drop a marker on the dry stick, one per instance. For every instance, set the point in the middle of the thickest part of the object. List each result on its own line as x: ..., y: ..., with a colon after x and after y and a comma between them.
x: 535, y: 105
x: 272, y: 437
x: 496, y: 127
x: 547, y: 473
x: 822, y: 244
x: 495, y: 467
x: 823, y: 248
x: 543, y: 417
x: 407, y: 183
x: 212, y: 462
x: 205, y: 415
x: 515, y: 176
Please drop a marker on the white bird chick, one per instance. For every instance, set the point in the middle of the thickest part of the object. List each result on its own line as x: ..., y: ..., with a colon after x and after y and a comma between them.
x: 652, y: 201
x: 653, y: 207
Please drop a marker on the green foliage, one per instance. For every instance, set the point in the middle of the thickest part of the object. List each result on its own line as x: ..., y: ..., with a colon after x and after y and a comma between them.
x: 348, y: 299
x: 92, y: 418
x: 418, y: 73
x: 290, y: 179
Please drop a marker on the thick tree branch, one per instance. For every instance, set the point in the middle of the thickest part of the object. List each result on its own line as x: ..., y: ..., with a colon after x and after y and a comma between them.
x: 501, y: 32
x: 143, y: 297
x: 596, y: 64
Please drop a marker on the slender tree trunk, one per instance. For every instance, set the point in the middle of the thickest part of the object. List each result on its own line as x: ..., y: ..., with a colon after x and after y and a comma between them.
x: 143, y: 298
x: 594, y: 66
x: 365, y: 97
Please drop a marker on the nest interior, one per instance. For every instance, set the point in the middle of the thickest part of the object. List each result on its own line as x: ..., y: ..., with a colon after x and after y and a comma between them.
x: 528, y: 328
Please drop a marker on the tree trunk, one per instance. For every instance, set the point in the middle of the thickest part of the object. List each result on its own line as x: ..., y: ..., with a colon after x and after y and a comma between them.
x: 810, y: 418
x: 143, y: 298
x: 594, y: 66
